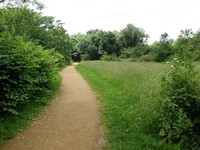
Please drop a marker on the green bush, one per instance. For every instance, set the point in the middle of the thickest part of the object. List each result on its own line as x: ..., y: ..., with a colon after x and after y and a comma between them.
x: 111, y: 57
x: 59, y: 60
x: 25, y: 71
x: 148, y: 57
x: 180, y: 104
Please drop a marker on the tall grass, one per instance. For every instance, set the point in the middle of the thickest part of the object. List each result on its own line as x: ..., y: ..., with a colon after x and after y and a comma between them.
x: 129, y: 94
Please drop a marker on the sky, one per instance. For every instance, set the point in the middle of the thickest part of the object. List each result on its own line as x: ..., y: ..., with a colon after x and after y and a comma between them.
x: 153, y: 16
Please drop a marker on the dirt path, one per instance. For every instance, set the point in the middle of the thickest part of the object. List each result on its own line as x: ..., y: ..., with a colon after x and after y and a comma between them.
x: 70, y: 122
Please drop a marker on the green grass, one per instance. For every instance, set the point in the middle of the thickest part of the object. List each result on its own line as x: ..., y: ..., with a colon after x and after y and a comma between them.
x: 129, y: 94
x: 10, y: 125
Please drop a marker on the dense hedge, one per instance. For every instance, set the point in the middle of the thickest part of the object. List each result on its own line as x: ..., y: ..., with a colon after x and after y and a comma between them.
x: 26, y: 69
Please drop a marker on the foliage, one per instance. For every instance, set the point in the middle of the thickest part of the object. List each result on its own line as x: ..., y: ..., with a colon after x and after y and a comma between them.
x: 59, y: 40
x: 180, y: 103
x: 10, y: 124
x: 33, y: 48
x: 111, y: 57
x: 195, y: 46
x: 129, y: 94
x: 132, y: 36
x: 79, y: 45
x: 163, y: 49
x: 43, y: 30
x: 26, y: 69
x: 136, y: 52
x: 93, y: 45
x: 97, y: 43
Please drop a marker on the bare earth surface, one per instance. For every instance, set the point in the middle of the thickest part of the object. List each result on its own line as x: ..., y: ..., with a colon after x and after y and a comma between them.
x: 70, y: 122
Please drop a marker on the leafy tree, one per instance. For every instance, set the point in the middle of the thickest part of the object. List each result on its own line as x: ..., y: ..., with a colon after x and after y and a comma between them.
x: 95, y: 47
x: 195, y: 46
x: 132, y: 36
x: 163, y: 49
x: 42, y: 30
x: 94, y: 44
x: 21, y: 21
x: 79, y: 45
x: 109, y: 43
x: 58, y: 39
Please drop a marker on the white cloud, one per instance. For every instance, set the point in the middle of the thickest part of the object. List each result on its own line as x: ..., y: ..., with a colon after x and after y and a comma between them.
x: 154, y: 16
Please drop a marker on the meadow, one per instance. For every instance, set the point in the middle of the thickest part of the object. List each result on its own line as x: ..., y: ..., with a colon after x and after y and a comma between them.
x: 129, y: 95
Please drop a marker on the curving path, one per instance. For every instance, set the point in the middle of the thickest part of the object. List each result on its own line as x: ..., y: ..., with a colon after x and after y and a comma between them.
x: 70, y: 122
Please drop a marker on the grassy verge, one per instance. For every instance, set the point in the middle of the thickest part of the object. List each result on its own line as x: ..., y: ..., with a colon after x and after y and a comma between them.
x: 129, y: 94
x: 10, y: 125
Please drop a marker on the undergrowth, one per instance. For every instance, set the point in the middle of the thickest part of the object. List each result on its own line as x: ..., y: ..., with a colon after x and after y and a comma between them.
x: 10, y: 124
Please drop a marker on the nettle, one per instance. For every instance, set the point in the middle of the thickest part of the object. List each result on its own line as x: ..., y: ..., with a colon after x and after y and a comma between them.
x: 180, y: 103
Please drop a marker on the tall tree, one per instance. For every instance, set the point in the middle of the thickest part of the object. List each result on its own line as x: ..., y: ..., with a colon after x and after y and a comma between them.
x: 163, y: 49
x: 132, y: 36
x: 43, y: 30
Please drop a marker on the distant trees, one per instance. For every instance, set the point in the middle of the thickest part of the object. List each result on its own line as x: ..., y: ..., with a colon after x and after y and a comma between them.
x: 130, y: 43
x: 132, y: 36
x: 97, y: 43
x: 93, y: 45
x: 163, y: 49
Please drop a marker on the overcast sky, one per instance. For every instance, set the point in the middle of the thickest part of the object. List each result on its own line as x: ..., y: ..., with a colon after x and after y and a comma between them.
x: 154, y: 16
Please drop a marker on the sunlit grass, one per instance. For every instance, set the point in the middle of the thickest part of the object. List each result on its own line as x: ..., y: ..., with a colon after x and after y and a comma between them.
x: 129, y: 94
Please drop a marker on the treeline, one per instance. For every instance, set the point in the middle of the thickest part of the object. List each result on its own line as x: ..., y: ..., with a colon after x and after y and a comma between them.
x: 32, y: 49
x: 131, y: 43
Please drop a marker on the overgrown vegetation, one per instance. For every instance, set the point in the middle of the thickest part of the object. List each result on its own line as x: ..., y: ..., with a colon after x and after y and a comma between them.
x: 130, y: 44
x: 26, y: 71
x: 180, y: 103
x: 98, y: 43
x: 42, y: 30
x: 129, y: 94
x: 33, y: 49
x: 10, y: 124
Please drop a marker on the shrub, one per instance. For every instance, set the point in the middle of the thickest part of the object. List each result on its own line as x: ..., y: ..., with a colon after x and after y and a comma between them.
x: 111, y: 57
x: 59, y: 60
x: 25, y: 71
x: 180, y: 103
x: 148, y: 57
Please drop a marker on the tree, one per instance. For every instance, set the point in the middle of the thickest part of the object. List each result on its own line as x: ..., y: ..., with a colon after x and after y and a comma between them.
x: 21, y: 21
x: 132, y: 36
x: 195, y: 46
x: 109, y: 43
x: 43, y: 30
x: 94, y: 44
x: 163, y: 49
x: 79, y: 45
x: 59, y: 40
